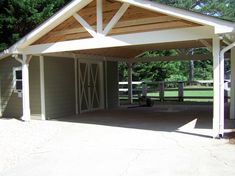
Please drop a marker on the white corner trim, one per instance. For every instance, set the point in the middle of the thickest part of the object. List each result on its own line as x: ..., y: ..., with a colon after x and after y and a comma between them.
x: 116, y: 18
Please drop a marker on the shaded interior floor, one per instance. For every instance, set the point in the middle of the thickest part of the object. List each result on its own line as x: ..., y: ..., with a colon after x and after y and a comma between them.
x: 164, y: 117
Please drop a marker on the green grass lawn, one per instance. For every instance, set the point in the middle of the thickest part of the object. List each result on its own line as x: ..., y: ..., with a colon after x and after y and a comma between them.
x: 187, y: 93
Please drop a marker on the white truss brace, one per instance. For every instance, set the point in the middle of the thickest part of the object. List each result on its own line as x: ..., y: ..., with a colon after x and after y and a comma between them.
x: 85, y: 25
x: 116, y: 18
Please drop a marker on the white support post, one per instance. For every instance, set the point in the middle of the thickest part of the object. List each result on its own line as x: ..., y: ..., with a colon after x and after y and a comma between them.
x: 42, y: 88
x: 76, y: 83
x: 25, y: 89
x: 216, y: 73
x: 99, y: 16
x: 221, y: 121
x: 232, y: 100
x: 130, y: 93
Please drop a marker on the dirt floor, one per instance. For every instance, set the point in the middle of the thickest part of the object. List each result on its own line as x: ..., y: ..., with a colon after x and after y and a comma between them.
x: 164, y: 140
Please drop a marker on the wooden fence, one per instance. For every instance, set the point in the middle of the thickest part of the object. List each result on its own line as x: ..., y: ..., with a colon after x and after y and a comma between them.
x: 172, y: 90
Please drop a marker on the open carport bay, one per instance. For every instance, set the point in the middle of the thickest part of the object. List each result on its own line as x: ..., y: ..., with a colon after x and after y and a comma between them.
x: 162, y: 140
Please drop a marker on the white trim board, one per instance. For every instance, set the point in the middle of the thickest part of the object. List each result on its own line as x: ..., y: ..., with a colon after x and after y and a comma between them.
x: 172, y: 35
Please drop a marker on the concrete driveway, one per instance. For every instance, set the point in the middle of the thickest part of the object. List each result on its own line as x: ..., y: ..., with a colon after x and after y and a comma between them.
x: 121, y: 142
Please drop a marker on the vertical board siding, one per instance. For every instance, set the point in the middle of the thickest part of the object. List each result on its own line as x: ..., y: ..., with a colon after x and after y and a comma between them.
x: 112, y: 84
x: 11, y: 104
x: 59, y: 87
x: 34, y: 88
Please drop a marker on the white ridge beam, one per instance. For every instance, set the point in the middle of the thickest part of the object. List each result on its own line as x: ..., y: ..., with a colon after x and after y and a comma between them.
x: 85, y: 25
x: 116, y: 18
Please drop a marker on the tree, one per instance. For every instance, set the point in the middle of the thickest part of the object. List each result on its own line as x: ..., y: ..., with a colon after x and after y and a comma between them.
x: 218, y: 8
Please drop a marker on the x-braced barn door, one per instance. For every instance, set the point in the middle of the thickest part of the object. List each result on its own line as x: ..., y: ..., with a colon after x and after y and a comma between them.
x: 90, y: 86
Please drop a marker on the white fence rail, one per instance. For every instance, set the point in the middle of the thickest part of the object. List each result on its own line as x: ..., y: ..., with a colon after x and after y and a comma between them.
x: 172, y: 90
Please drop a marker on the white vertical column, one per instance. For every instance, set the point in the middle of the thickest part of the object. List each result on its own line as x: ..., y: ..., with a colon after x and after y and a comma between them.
x: 25, y: 89
x: 232, y: 100
x: 216, y: 73
x: 99, y: 16
x: 42, y: 88
x: 76, y: 84
x: 221, y: 121
x: 130, y: 93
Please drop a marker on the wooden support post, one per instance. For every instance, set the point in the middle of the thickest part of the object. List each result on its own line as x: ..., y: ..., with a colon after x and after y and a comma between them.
x: 130, y: 91
x: 25, y: 89
x: 144, y: 89
x: 181, y: 91
x: 42, y: 89
x: 232, y: 100
x: 161, y: 91
x: 216, y: 99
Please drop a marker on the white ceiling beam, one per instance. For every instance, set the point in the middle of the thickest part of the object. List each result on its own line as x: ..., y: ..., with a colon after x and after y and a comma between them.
x: 99, y: 16
x: 116, y: 18
x: 85, y: 25
x: 154, y: 37
x: 221, y: 26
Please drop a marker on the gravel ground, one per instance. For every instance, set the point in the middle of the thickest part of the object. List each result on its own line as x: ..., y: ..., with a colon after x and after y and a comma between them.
x: 19, y: 139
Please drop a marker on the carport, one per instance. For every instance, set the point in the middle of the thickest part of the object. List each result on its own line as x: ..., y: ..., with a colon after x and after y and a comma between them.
x: 122, y: 30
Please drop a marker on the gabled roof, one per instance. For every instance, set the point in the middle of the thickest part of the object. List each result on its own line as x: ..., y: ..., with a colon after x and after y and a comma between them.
x: 220, y: 26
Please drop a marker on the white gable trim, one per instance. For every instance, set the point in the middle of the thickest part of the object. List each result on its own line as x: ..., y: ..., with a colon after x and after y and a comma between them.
x: 221, y: 26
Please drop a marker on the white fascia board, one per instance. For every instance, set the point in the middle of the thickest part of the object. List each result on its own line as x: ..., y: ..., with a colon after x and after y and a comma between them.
x: 10, y: 51
x: 221, y: 26
x: 164, y: 36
